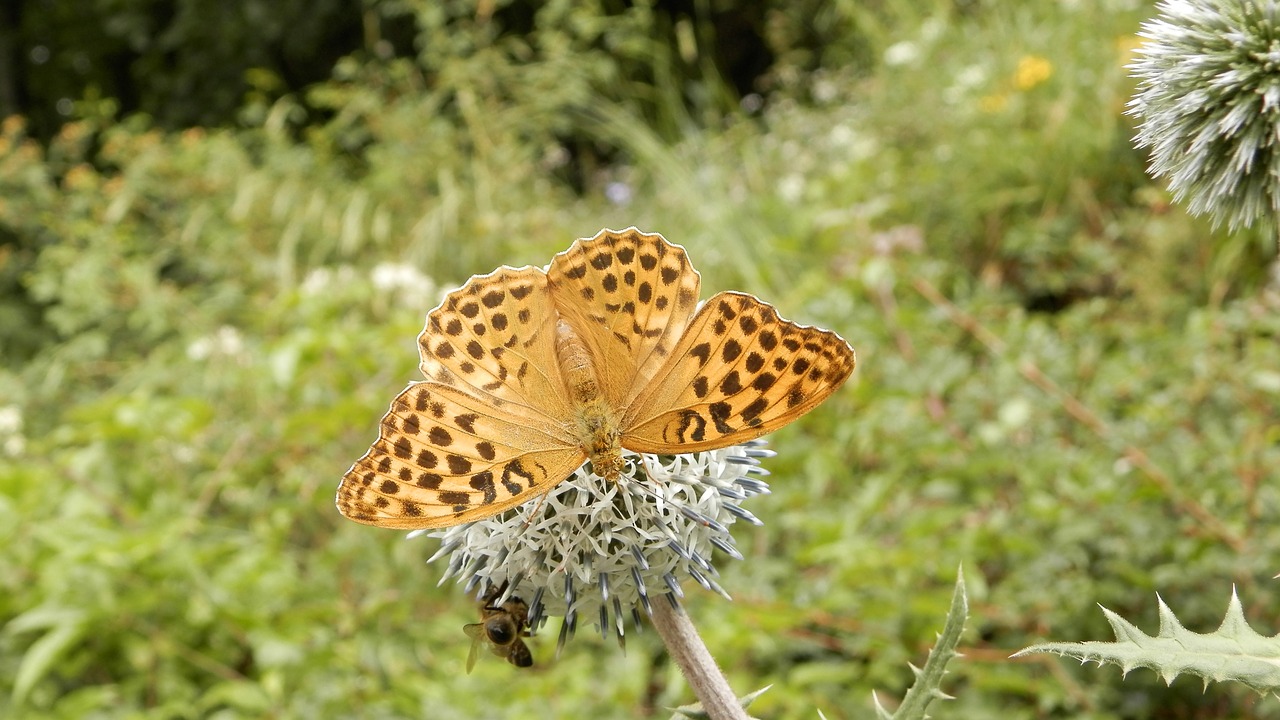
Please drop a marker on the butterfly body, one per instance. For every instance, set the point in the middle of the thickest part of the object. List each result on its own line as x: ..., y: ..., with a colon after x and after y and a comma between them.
x: 531, y: 371
x: 600, y: 437
x: 595, y: 423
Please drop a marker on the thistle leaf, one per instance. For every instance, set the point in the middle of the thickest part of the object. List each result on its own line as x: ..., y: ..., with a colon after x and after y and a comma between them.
x: 927, y: 687
x: 1233, y: 652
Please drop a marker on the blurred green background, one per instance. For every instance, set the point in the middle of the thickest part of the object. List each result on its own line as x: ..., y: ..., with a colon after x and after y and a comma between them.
x: 221, y: 225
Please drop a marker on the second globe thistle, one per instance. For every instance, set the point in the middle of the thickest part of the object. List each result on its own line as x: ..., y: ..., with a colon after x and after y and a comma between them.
x: 1208, y: 102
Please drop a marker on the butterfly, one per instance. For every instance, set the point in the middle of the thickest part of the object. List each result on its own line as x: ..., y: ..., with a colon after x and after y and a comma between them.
x: 532, y: 371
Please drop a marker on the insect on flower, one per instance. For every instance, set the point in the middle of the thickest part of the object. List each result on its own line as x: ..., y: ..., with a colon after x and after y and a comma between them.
x: 502, y: 627
x: 530, y: 372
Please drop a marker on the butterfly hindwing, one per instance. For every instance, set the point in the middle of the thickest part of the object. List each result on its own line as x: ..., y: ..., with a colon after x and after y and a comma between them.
x: 444, y: 457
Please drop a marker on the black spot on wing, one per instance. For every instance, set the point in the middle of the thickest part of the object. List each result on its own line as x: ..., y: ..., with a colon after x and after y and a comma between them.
x: 720, y: 412
x: 483, y: 482
x: 702, y: 351
x: 453, y: 497
x: 692, y: 427
x: 410, y: 425
x: 730, y: 384
x: 515, y: 469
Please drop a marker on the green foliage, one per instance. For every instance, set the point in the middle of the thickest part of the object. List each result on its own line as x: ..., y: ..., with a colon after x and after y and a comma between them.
x: 1063, y: 382
x: 1233, y: 652
x: 186, y: 62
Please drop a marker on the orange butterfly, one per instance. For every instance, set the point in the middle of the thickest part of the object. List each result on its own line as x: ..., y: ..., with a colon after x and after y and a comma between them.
x: 531, y: 372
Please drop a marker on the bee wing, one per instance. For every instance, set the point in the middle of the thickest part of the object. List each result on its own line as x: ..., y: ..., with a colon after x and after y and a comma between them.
x: 475, y: 631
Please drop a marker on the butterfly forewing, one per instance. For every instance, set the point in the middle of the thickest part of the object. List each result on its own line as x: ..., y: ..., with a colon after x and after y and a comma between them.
x: 739, y: 372
x: 444, y: 457
x: 629, y: 297
x: 494, y: 338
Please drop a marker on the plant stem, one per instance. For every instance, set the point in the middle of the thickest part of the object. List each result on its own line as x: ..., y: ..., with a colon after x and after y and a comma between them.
x: 695, y: 661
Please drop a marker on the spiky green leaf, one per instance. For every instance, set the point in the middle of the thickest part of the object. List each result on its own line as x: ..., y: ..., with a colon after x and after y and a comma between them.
x: 1233, y: 652
x: 928, y: 684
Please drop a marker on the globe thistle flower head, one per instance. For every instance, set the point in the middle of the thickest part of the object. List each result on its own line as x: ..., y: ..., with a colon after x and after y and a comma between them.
x: 1208, y: 101
x: 601, y: 550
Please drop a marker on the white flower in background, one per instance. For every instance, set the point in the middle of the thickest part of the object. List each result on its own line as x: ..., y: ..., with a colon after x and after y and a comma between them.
x: 601, y: 551
x: 406, y: 283
x: 969, y: 79
x: 10, y: 420
x: 933, y: 28
x: 902, y: 53
x: 842, y: 135
x: 323, y: 280
x: 11, y: 438
x: 854, y: 144
x: 824, y: 90
x: 1208, y: 101
x: 618, y: 193
x: 791, y: 188
x: 317, y: 281
x: 554, y: 157
x: 226, y: 341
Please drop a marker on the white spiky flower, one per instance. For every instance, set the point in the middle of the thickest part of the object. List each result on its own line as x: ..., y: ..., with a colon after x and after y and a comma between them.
x: 1208, y: 101
x: 602, y: 550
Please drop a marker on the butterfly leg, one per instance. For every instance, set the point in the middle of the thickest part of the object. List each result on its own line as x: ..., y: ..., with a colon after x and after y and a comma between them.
x: 535, y: 512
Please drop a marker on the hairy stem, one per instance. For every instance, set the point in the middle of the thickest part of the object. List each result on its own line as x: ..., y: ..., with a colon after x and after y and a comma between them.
x: 695, y: 661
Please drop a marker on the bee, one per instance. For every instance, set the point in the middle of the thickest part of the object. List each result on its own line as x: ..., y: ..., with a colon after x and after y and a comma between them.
x: 501, y: 627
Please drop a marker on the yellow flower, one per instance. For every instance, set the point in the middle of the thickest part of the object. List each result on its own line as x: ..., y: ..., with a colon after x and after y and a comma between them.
x: 993, y: 103
x: 1032, y: 70
x: 13, y: 125
x: 80, y: 177
x: 1127, y: 48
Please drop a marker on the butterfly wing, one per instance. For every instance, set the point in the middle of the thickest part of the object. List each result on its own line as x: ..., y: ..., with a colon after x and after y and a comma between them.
x: 495, y: 338
x: 628, y: 296
x: 444, y: 457
x: 739, y: 372
x: 488, y: 430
